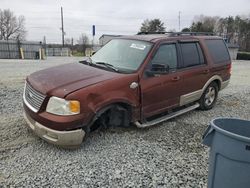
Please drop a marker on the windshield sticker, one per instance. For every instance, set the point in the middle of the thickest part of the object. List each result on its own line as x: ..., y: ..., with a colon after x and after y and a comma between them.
x: 138, y: 46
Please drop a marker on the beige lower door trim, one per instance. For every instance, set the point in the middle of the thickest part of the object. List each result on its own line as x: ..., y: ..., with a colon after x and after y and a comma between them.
x: 196, y: 95
x: 190, y: 97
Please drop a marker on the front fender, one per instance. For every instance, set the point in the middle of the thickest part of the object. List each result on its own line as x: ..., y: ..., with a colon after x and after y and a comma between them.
x: 96, y: 97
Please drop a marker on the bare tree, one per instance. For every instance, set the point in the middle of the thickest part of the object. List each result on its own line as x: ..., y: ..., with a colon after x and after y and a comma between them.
x: 83, y: 41
x: 11, y: 27
x: 234, y: 30
x: 67, y: 41
x: 203, y: 23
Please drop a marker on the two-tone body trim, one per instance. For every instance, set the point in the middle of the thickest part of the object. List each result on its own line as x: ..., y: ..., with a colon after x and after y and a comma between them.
x: 196, y: 95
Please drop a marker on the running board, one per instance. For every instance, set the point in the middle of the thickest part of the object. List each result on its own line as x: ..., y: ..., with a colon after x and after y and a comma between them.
x: 167, y: 117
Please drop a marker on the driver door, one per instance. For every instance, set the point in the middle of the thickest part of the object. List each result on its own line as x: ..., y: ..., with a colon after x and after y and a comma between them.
x: 161, y: 90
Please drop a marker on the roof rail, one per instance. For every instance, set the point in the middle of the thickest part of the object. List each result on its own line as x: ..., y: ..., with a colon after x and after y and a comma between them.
x: 192, y: 33
x: 172, y: 34
x: 152, y: 32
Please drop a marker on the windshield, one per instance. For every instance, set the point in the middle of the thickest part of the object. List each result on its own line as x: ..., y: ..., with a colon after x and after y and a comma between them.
x: 125, y: 55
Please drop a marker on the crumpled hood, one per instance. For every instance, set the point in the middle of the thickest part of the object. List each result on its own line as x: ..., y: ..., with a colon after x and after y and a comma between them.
x: 64, y: 79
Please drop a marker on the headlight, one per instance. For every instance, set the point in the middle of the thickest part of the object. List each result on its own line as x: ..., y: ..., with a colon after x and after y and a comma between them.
x: 60, y: 106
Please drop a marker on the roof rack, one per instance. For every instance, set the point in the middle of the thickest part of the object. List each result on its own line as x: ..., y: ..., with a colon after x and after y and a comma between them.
x: 152, y: 32
x: 172, y: 34
x: 192, y: 33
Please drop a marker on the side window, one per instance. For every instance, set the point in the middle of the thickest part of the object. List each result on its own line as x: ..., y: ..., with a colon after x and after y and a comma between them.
x: 218, y: 50
x: 166, y: 55
x: 192, y: 54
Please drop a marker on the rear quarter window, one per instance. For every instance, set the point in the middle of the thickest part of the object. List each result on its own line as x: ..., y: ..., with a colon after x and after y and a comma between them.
x: 218, y: 50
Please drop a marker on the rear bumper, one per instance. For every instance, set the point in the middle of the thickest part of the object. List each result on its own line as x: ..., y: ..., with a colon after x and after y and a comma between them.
x: 224, y: 84
x: 61, y: 138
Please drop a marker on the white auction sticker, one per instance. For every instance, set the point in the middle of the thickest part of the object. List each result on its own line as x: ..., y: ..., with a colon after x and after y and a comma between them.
x: 138, y: 46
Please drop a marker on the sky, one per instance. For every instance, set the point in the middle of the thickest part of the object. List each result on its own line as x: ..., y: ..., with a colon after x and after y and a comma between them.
x: 113, y: 16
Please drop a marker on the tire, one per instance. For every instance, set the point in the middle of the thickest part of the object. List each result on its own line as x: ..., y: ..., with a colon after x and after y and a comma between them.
x: 209, y: 97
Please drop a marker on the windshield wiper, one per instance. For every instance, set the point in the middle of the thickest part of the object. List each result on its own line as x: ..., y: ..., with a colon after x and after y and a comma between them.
x: 87, y: 61
x: 108, y: 66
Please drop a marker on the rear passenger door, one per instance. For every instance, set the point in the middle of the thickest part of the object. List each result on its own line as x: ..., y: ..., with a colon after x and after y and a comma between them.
x: 193, y: 69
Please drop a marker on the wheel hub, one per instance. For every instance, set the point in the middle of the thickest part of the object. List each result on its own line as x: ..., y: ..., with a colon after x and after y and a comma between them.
x: 210, y: 96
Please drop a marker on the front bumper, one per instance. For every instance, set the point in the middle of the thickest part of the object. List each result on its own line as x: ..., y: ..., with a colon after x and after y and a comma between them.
x: 61, y: 138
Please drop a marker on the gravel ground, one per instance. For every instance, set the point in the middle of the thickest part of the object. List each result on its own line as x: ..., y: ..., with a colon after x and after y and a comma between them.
x: 167, y: 155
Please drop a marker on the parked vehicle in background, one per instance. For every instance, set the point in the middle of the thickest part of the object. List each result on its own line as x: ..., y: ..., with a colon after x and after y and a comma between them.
x: 142, y: 79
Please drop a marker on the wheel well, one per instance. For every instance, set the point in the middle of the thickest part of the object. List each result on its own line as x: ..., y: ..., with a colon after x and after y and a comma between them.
x: 108, y: 107
x: 218, y: 82
x: 116, y: 114
x: 125, y: 105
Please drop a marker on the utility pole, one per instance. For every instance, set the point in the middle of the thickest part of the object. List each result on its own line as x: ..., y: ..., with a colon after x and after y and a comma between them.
x: 62, y: 27
x: 179, y: 18
x: 44, y: 45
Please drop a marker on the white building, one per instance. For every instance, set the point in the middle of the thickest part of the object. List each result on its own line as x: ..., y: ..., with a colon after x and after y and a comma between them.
x: 104, y: 39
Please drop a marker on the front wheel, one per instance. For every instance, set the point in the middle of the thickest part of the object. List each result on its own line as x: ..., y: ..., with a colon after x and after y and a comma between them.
x: 209, y: 97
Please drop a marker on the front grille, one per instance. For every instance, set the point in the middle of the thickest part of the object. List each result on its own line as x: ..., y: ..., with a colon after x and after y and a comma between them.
x: 32, y: 98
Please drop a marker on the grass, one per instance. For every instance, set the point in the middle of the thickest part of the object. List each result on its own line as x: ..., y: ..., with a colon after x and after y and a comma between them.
x: 78, y: 54
x: 243, y: 55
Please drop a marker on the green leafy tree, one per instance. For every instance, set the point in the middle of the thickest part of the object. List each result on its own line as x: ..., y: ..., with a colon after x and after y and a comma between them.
x: 197, y: 27
x: 154, y: 25
x: 186, y: 29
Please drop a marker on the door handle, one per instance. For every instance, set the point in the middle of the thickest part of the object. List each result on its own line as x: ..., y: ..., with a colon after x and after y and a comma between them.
x: 176, y: 78
x: 206, y: 71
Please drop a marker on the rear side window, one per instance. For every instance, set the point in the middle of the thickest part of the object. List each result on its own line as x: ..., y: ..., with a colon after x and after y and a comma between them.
x: 192, y: 54
x: 218, y: 50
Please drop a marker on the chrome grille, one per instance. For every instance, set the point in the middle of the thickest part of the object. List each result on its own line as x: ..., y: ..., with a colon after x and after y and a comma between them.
x: 32, y: 98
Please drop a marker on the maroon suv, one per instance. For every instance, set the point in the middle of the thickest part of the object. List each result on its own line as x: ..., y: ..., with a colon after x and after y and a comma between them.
x: 143, y: 79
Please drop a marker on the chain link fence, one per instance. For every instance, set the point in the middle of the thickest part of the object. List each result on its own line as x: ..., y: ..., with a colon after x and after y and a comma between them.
x: 58, y: 52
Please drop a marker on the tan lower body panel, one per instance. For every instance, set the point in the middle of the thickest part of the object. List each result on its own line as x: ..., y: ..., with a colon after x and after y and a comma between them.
x: 190, y: 97
x: 196, y: 95
x: 61, y: 138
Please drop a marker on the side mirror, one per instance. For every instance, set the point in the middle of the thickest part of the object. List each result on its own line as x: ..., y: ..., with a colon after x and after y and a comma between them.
x: 158, y: 69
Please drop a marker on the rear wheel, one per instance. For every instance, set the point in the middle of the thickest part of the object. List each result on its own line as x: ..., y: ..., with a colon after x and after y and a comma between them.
x: 209, y: 97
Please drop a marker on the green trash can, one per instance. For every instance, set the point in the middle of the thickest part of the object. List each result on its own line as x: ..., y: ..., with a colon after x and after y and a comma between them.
x: 229, y: 158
